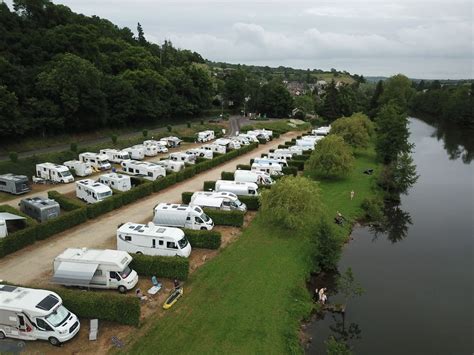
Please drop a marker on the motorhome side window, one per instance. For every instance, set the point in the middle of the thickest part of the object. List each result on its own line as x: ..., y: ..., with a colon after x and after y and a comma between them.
x: 252, y: 192
x: 150, y: 174
x: 128, y: 238
x: 43, y: 325
x: 188, y: 218
x: 160, y: 242
x: 171, y: 245
x: 198, y: 220
x: 114, y: 275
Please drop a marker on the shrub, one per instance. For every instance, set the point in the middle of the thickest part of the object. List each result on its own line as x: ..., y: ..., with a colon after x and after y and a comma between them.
x: 355, y: 130
x: 373, y: 208
x: 209, y: 185
x: 114, y: 138
x: 73, y: 147
x: 161, y: 266
x: 290, y: 170
x: 298, y: 164
x: 331, y: 158
x: 145, y: 133
x: 302, y: 156
x: 262, y: 141
x: 252, y: 202
x: 244, y: 167
x: 188, y: 139
x: 18, y: 240
x: 202, y: 122
x: 227, y: 175
x: 61, y: 223
x: 13, y: 157
x: 107, y: 205
x: 169, y: 128
x: 66, y: 203
x: 226, y: 218
x: 136, y: 193
x: 203, y: 239
x: 186, y: 197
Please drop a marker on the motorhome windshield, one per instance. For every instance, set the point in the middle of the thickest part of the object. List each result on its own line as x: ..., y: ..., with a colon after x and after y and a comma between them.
x: 124, y: 274
x: 64, y: 173
x: 236, y: 203
x: 183, y: 242
x: 102, y: 195
x: 205, y: 217
x: 58, y: 316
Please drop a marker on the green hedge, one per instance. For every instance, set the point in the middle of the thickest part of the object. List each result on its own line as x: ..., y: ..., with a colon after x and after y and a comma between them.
x: 66, y: 203
x: 290, y: 170
x: 105, y: 306
x: 303, y: 156
x: 298, y: 164
x: 163, y: 183
x: 109, y: 204
x: 226, y: 218
x: 186, y: 197
x: 209, y: 185
x: 203, y: 238
x: 17, y: 240
x: 244, y: 167
x: 227, y: 175
x: 262, y: 141
x: 137, y: 192
x: 252, y: 202
x: 61, y: 223
x: 161, y: 266
x: 283, y: 146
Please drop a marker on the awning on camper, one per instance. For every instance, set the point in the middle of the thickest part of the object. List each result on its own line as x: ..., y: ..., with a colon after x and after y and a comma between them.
x: 10, y: 216
x: 77, y: 274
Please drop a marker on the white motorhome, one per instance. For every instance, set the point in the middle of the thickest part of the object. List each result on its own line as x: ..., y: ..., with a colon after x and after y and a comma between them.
x: 92, y: 192
x: 183, y: 157
x: 150, y: 171
x: 215, y: 148
x: 280, y: 156
x: 150, y: 150
x: 271, y: 161
x: 116, y: 181
x: 184, y: 216
x: 257, y: 177
x: 205, y: 136
x: 228, y: 143
x: 295, y: 149
x: 171, y: 141
x: 236, y: 187
x: 305, y: 144
x: 35, y: 314
x: 272, y: 169
x: 54, y: 173
x: 4, y: 218
x: 321, y: 131
x: 97, y: 161
x: 171, y: 165
x: 115, y: 156
x: 228, y: 197
x: 261, y: 134
x: 314, y: 139
x: 80, y: 169
x: 150, y: 239
x: 136, y: 152
x: 241, y: 140
x: 249, y: 137
x: 159, y: 145
x: 201, y: 153
x: 216, y: 203
x: 93, y: 268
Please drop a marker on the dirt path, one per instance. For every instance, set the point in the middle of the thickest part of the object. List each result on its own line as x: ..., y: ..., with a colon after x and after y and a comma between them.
x: 34, y: 262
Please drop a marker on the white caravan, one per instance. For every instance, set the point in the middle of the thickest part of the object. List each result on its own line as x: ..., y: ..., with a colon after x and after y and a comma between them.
x: 54, y: 173
x: 150, y: 171
x: 92, y: 192
x: 295, y: 149
x: 236, y: 187
x: 228, y: 196
x: 35, y: 314
x: 159, y: 145
x: 4, y: 218
x: 271, y: 161
x: 228, y: 143
x: 215, y: 148
x: 184, y: 216
x: 249, y: 137
x: 115, y: 156
x: 281, y: 154
x: 97, y: 161
x: 171, y: 141
x: 80, y: 168
x: 150, y: 239
x: 321, y: 131
x: 183, y: 157
x: 205, y: 136
x: 116, y: 181
x: 257, y: 177
x: 212, y: 201
x: 136, y: 152
x: 93, y: 268
x: 314, y: 139
x: 171, y: 165
x: 201, y: 153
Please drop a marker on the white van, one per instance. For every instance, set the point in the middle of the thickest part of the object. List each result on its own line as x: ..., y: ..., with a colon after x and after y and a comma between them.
x: 205, y: 136
x: 171, y: 165
x: 54, y: 173
x: 184, y: 216
x: 35, y: 314
x: 80, y: 168
x: 216, y: 148
x: 270, y: 161
x: 272, y: 169
x: 232, y: 200
x: 201, y: 153
x: 159, y: 145
x: 93, y: 268
x: 216, y: 203
x: 116, y: 181
x: 97, y: 161
x: 183, y: 157
x: 257, y: 177
x: 150, y: 171
x: 261, y: 134
x: 136, y: 152
x: 314, y: 139
x: 241, y: 140
x: 236, y: 187
x: 92, y: 192
x: 150, y: 239
x: 115, y: 156
x: 150, y: 150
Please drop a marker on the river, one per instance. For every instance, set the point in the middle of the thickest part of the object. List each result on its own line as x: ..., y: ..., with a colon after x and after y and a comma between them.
x: 418, y: 285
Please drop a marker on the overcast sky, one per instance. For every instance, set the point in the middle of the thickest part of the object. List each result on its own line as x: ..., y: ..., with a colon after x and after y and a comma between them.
x: 422, y: 39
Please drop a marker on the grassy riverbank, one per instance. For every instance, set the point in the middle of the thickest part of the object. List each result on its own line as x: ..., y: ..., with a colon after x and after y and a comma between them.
x: 252, y: 297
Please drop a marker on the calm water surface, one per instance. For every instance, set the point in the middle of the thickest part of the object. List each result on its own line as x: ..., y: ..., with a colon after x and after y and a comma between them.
x: 419, y: 287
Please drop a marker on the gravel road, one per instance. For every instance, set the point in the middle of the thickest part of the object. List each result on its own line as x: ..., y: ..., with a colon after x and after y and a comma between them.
x: 34, y: 263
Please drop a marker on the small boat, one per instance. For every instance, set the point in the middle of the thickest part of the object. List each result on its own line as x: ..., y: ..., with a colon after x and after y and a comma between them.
x: 171, y: 300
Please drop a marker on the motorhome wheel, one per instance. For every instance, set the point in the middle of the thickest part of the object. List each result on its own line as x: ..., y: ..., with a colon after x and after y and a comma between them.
x: 203, y: 228
x: 122, y: 289
x: 54, y: 341
x: 139, y: 253
x: 2, y: 335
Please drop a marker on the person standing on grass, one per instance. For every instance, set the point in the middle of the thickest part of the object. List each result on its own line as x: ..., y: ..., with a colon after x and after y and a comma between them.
x: 352, y: 195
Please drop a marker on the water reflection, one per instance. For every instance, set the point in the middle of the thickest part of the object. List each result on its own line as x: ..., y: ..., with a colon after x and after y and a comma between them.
x: 344, y: 333
x: 394, y: 225
x: 457, y: 142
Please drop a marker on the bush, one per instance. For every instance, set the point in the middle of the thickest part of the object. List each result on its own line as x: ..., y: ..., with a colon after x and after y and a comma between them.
x: 252, y: 202
x: 66, y: 203
x: 161, y: 266
x: 332, y: 158
x: 290, y: 170
x: 169, y: 128
x: 114, y: 138
x: 209, y: 185
x: 226, y: 218
x: 13, y: 157
x: 262, y: 141
x: 373, y: 208
x: 145, y: 133
x: 186, y: 197
x: 227, y: 175
x: 244, y: 167
x: 202, y: 122
x: 298, y: 164
x: 105, y: 306
x: 188, y: 139
x: 188, y: 124
x: 18, y: 240
x: 73, y: 147
x: 111, y: 203
x: 303, y: 156
x: 203, y: 239
x: 61, y: 223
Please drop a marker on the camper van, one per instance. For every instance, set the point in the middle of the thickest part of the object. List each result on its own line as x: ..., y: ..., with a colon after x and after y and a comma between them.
x: 115, y: 156
x: 257, y: 177
x: 305, y: 144
x: 241, y: 140
x: 321, y: 131
x: 116, y: 181
x: 79, y: 168
x: 270, y: 161
x: 150, y: 239
x: 54, y: 173
x: 183, y: 157
x: 184, y: 216
x: 269, y: 168
x: 236, y: 187
x: 35, y: 314
x: 215, y: 148
x: 92, y: 192
x: 94, y: 268
x: 14, y: 184
x: 261, y: 134
x: 205, y: 136
x: 171, y: 165
x: 314, y: 139
x: 150, y: 150
x: 136, y: 152
x: 159, y: 145
x: 40, y: 208
x: 295, y: 149
x: 97, y: 161
x: 201, y: 153
x: 228, y: 143
x: 226, y: 196
x: 280, y: 156
x: 216, y: 203
x: 150, y: 171
x: 171, y: 142
x: 4, y: 218
x: 249, y: 137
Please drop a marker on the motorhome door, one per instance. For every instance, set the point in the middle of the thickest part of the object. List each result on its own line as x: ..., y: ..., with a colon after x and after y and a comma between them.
x: 114, y: 279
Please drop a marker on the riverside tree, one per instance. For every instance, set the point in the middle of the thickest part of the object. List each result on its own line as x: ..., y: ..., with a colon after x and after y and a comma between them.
x: 355, y: 130
x: 332, y: 158
x: 327, y: 245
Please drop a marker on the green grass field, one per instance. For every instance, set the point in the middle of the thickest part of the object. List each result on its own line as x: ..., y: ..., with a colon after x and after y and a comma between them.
x: 252, y: 297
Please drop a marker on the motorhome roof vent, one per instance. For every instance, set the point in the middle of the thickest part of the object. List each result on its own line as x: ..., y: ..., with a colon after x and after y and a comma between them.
x: 160, y: 230
x: 7, y: 288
